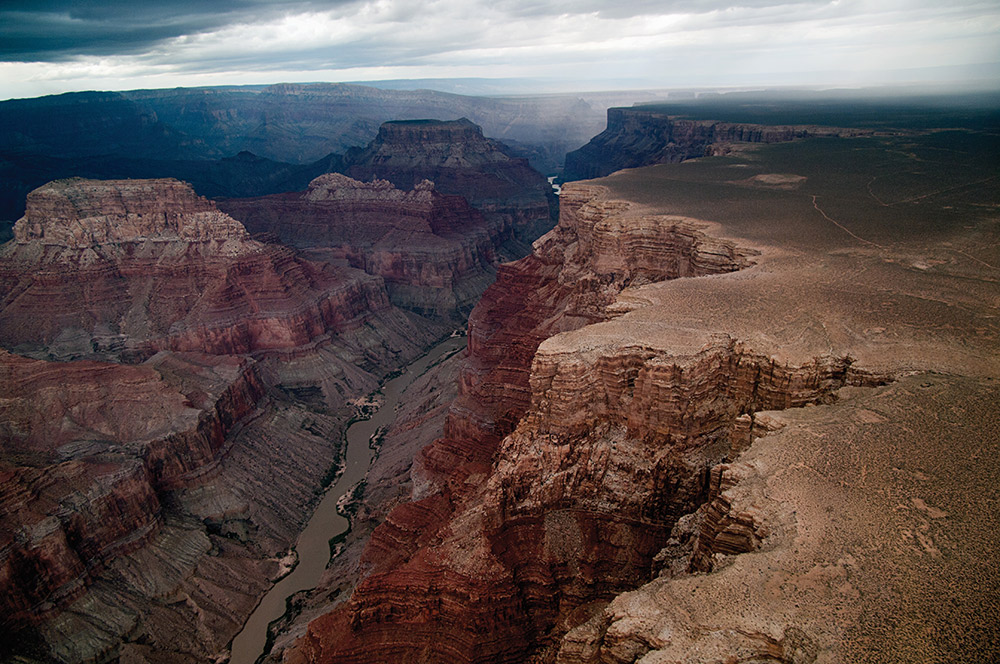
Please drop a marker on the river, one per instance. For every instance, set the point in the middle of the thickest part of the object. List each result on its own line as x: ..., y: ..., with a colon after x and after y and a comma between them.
x: 313, y: 545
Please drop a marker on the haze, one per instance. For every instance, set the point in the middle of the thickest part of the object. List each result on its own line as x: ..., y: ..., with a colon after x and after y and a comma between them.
x: 62, y: 45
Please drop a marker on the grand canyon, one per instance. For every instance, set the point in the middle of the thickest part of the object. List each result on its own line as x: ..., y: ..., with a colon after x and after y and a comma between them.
x: 731, y: 396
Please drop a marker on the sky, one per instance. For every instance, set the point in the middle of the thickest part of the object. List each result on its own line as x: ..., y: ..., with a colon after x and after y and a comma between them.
x: 52, y: 46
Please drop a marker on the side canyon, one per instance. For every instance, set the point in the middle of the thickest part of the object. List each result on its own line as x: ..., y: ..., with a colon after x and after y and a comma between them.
x: 176, y: 387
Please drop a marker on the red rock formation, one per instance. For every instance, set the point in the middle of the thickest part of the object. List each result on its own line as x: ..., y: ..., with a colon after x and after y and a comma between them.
x: 88, y: 449
x: 108, y: 470
x: 625, y: 419
x: 459, y: 160
x: 126, y: 268
x: 540, y: 551
x: 435, y: 253
x: 571, y: 280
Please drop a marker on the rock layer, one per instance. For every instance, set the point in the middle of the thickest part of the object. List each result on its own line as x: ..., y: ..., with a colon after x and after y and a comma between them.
x: 459, y: 160
x: 435, y: 253
x: 90, y: 448
x: 184, y: 474
x: 603, y: 432
x: 621, y: 451
x: 122, y: 269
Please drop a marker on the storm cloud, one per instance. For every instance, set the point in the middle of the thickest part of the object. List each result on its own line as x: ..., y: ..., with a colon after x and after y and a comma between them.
x: 56, y: 45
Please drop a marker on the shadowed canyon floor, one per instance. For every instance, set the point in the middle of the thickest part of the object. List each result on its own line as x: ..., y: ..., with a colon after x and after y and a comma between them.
x: 783, y: 455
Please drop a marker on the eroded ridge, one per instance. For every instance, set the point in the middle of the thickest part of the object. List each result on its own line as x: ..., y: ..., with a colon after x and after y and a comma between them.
x: 120, y: 269
x: 435, y: 252
x: 98, y: 446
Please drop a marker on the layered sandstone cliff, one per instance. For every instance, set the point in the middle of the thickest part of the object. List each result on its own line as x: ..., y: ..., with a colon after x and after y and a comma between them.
x: 610, y: 426
x: 121, y: 269
x: 639, y: 137
x: 490, y: 545
x: 189, y: 472
x: 459, y: 160
x: 89, y: 450
x: 435, y: 253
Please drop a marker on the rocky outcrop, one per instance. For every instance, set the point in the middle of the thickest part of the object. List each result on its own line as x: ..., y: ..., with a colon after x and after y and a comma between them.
x: 459, y: 160
x: 122, y: 269
x: 641, y: 137
x: 572, y: 279
x: 589, y: 479
x: 435, y: 253
x: 607, y: 488
x: 79, y: 214
x: 188, y: 472
x: 90, y: 449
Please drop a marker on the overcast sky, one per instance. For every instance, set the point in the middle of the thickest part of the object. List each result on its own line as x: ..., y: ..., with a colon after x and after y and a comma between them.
x: 49, y: 46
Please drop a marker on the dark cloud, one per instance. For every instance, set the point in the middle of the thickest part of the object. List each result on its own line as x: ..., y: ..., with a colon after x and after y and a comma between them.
x: 55, y: 30
x: 633, y: 8
x: 57, y: 45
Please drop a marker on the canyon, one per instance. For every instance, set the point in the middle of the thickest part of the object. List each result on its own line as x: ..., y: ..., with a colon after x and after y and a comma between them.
x: 175, y: 404
x: 681, y: 438
x: 422, y: 194
x: 739, y: 408
x: 245, y: 141
x: 177, y: 387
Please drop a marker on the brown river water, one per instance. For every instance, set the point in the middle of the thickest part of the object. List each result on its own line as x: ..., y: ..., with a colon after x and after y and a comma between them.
x: 313, y: 545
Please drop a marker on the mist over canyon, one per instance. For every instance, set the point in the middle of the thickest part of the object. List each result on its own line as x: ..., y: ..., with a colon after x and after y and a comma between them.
x: 733, y: 400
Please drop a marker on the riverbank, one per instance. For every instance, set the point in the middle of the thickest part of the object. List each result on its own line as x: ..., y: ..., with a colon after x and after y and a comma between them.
x: 285, y: 600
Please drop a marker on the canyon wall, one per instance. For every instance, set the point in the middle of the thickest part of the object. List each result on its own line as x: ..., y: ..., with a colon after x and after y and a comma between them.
x: 653, y: 416
x: 187, y: 468
x: 459, y: 160
x: 435, y: 253
x: 564, y: 467
x: 122, y: 269
x: 90, y: 448
x: 639, y: 137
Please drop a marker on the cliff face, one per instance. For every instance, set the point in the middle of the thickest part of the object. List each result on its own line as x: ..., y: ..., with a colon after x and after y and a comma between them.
x: 89, y: 450
x: 459, y: 160
x: 595, y: 451
x: 636, y: 137
x: 619, y: 426
x: 435, y: 253
x: 122, y: 269
x: 125, y: 486
x: 572, y: 279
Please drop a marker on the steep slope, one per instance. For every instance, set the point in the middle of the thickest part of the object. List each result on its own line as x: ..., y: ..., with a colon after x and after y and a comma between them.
x: 435, y: 253
x: 89, y: 448
x: 570, y: 281
x: 188, y: 472
x: 459, y: 160
x: 124, y: 268
x: 601, y: 447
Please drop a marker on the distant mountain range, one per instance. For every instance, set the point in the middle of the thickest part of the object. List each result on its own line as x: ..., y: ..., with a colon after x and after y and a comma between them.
x: 256, y: 140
